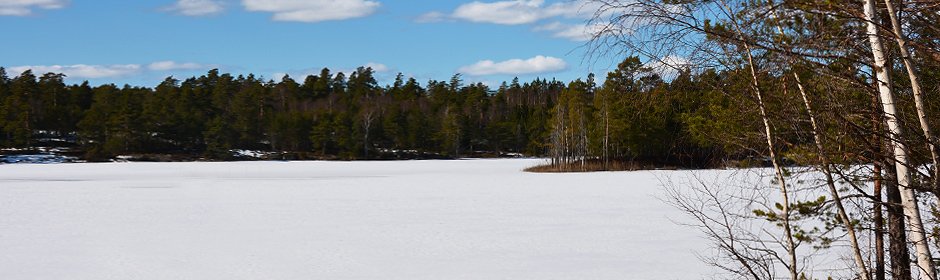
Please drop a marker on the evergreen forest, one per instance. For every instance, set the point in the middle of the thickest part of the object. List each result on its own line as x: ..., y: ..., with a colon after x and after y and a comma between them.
x: 634, y: 116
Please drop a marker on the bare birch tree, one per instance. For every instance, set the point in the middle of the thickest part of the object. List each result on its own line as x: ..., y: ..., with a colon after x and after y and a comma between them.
x: 918, y: 234
x: 918, y: 92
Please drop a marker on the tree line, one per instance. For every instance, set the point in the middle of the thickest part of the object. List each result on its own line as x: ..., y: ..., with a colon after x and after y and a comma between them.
x: 335, y: 116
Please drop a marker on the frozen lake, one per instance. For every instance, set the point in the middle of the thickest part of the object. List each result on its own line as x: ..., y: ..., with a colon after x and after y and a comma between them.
x: 463, y: 219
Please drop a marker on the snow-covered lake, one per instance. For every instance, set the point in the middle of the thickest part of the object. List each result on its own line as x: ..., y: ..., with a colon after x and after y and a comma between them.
x: 462, y: 219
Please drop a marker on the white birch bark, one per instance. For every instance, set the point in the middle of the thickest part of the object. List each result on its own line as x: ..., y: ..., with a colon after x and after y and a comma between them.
x: 918, y: 236
x: 778, y: 169
x: 917, y: 90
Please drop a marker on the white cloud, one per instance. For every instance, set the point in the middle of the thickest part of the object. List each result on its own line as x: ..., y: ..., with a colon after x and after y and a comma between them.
x: 538, y: 64
x: 377, y: 67
x: 86, y: 71
x: 313, y: 10
x: 196, y: 7
x: 82, y: 70
x: 173, y: 65
x: 514, y: 12
x: 503, y: 12
x: 431, y: 17
x: 568, y: 16
x: 573, y: 9
x: 573, y: 32
x: 25, y: 7
x: 668, y: 67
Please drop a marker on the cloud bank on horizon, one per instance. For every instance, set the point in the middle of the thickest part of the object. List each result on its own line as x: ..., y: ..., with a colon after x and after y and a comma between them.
x: 85, y: 71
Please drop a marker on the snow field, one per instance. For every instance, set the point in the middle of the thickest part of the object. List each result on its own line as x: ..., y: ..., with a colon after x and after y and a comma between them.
x: 462, y: 219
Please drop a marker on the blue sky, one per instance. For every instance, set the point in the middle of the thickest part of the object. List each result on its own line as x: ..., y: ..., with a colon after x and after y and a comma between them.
x: 141, y: 42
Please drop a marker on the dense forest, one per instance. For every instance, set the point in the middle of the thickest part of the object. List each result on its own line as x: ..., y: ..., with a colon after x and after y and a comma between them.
x: 635, y: 116
x: 324, y: 116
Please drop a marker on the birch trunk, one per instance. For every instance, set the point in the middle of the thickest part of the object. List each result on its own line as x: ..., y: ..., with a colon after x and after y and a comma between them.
x: 918, y: 236
x: 789, y: 243
x: 778, y: 169
x: 837, y: 199
x: 918, y: 92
